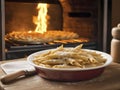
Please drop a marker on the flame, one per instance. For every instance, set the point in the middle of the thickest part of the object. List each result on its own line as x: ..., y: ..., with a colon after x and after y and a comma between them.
x: 41, y: 20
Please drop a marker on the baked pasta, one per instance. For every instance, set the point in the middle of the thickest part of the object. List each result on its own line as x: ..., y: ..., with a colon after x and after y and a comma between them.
x: 69, y: 58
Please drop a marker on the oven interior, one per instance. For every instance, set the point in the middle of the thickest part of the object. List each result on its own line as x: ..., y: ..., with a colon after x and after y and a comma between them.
x: 81, y: 17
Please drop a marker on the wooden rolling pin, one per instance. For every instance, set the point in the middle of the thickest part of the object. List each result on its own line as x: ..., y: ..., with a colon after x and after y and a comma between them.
x: 13, y: 76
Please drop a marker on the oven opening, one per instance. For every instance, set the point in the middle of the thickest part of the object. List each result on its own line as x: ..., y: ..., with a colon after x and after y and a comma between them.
x: 31, y: 27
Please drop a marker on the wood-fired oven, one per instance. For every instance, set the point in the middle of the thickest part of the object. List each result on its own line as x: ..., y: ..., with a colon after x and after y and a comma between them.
x: 88, y: 21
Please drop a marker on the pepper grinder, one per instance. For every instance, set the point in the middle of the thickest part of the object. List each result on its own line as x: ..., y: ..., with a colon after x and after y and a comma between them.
x: 115, y: 44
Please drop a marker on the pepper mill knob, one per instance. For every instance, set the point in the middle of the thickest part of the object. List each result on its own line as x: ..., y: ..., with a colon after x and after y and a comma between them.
x: 115, y: 44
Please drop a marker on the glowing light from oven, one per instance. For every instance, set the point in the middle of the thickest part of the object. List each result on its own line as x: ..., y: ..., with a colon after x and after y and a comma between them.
x: 41, y: 19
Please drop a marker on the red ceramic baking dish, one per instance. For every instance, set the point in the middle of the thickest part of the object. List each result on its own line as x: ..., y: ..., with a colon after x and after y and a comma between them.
x: 68, y: 74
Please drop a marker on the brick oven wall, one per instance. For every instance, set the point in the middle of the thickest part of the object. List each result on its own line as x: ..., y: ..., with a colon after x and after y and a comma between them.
x: 80, y: 16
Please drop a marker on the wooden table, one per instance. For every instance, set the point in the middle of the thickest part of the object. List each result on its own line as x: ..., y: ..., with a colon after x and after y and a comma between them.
x: 109, y: 80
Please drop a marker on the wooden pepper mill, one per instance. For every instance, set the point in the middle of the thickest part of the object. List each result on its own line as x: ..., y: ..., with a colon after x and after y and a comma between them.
x: 115, y: 44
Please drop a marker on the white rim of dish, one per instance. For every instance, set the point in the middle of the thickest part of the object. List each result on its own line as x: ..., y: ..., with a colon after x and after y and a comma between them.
x: 107, y: 56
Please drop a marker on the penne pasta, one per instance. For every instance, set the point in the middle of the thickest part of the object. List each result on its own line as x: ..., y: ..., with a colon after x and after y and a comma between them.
x: 69, y: 57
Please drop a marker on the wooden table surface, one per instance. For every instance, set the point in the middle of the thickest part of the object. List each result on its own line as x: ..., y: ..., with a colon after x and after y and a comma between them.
x: 109, y: 80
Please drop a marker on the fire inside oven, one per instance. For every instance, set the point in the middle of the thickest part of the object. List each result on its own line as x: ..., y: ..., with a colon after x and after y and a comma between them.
x: 32, y: 27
